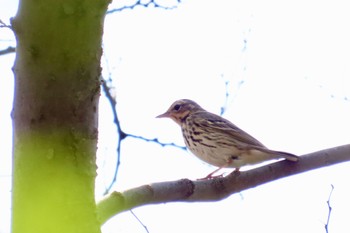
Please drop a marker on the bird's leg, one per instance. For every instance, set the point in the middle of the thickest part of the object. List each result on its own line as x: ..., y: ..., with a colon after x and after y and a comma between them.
x: 236, y: 171
x: 210, y: 175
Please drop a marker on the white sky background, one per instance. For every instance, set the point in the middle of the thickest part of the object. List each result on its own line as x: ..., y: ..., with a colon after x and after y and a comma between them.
x: 293, y: 59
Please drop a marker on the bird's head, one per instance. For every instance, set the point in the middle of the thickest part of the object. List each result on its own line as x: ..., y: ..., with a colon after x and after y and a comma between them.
x: 180, y: 110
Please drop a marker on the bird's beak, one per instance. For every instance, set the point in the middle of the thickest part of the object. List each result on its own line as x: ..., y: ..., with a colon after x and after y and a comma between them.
x: 166, y: 114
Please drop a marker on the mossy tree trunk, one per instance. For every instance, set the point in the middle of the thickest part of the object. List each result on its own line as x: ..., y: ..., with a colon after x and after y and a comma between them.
x: 57, y: 89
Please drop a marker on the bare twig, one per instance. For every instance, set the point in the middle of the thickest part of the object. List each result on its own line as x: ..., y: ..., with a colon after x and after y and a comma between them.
x: 329, y: 208
x: 4, y: 25
x: 143, y: 4
x: 239, y: 84
x: 137, y: 218
x: 326, y: 90
x: 156, y: 140
x: 227, y: 94
x: 8, y: 50
x: 186, y: 190
x: 122, y: 135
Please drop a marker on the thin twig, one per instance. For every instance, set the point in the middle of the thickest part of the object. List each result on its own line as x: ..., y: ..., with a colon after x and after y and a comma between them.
x: 8, y: 50
x: 146, y: 4
x: 326, y: 90
x: 227, y: 94
x: 227, y: 83
x: 137, y: 218
x: 120, y: 132
x: 122, y: 135
x: 156, y: 140
x: 4, y: 25
x: 329, y: 208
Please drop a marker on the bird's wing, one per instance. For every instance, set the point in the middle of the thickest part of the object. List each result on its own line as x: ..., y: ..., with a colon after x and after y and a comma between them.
x: 214, y: 123
x: 231, y: 134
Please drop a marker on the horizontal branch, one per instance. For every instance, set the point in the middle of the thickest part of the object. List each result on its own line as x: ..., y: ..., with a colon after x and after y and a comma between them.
x: 186, y: 190
x: 143, y: 4
x: 7, y: 50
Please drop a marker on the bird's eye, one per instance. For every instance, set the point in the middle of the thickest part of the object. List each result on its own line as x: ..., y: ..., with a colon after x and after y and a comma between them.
x: 177, y: 107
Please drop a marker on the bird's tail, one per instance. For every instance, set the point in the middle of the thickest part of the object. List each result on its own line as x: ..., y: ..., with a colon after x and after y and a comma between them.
x: 286, y: 155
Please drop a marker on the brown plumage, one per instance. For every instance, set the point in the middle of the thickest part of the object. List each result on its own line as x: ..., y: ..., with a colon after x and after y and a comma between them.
x: 216, y: 140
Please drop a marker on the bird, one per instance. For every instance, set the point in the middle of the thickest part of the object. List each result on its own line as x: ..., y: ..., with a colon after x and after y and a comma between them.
x: 217, y: 141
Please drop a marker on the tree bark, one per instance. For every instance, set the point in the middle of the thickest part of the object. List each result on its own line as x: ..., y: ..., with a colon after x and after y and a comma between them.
x: 57, y: 88
x: 218, y: 188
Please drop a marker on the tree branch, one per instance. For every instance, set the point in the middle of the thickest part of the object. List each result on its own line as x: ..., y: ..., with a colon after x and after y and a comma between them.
x: 143, y: 4
x: 186, y: 190
x: 7, y: 50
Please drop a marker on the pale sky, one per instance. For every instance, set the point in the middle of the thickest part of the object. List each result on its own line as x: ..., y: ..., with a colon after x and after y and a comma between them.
x: 287, y: 67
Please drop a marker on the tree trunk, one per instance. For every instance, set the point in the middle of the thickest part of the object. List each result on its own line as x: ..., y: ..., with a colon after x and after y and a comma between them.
x: 57, y: 88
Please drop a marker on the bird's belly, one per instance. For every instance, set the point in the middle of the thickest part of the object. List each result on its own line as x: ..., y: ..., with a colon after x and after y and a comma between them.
x: 230, y: 157
x: 209, y: 155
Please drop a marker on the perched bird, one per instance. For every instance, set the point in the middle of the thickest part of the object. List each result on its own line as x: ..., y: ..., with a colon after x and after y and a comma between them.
x: 216, y: 140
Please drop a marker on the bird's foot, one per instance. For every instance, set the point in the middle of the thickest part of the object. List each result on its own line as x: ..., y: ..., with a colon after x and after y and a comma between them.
x: 236, y: 172
x: 211, y: 176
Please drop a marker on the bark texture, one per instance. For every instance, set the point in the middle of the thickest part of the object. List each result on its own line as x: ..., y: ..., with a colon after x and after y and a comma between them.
x: 57, y: 88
